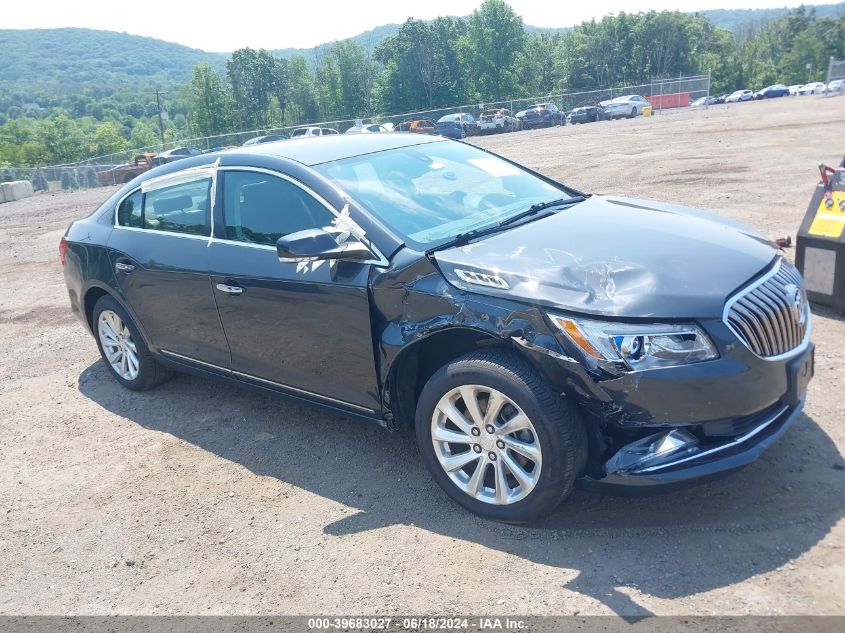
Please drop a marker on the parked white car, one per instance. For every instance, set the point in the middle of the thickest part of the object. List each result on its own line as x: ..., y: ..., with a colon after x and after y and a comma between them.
x: 837, y: 85
x: 793, y: 90
x: 625, y: 106
x: 361, y: 128
x: 740, y: 95
x: 814, y: 88
x: 304, y: 132
x: 497, y: 120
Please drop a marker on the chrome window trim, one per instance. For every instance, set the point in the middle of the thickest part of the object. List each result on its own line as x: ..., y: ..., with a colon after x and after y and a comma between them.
x: 795, y: 351
x: 357, y: 231
x: 233, y: 372
x: 138, y: 189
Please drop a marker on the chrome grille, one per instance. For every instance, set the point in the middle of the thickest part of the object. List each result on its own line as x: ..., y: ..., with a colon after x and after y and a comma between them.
x: 772, y: 315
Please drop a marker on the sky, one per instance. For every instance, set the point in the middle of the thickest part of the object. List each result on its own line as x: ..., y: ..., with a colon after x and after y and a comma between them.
x: 227, y: 26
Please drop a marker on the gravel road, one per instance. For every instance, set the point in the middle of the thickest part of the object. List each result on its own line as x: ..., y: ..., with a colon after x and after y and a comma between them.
x: 203, y: 498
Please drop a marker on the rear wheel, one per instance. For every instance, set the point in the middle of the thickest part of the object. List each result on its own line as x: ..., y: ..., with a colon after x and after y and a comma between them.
x: 633, y: 113
x: 497, y: 439
x: 122, y: 348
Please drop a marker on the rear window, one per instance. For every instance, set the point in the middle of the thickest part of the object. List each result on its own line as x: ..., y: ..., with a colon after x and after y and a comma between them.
x: 182, y: 208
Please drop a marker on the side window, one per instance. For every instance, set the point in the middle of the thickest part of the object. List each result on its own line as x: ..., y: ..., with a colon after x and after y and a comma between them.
x: 260, y: 208
x: 129, y: 211
x: 181, y: 208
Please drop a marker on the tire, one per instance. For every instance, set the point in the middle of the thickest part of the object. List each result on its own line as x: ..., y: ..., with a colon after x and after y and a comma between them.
x: 554, y: 433
x: 633, y: 113
x: 150, y: 373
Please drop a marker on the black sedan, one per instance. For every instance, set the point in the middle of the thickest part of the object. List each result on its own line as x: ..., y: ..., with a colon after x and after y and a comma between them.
x: 587, y: 114
x: 541, y: 115
x: 456, y: 126
x: 776, y: 90
x: 516, y: 325
x: 178, y: 153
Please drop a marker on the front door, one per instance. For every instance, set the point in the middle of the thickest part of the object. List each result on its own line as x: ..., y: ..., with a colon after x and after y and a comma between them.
x: 302, y: 326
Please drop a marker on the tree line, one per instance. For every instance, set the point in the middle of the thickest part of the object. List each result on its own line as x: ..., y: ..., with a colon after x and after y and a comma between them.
x: 485, y: 57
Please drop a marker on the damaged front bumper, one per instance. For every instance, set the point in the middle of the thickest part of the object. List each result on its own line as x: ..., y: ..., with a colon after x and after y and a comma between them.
x: 676, y: 457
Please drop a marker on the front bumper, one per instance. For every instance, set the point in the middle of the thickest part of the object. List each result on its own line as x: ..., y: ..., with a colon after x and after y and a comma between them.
x: 702, y: 463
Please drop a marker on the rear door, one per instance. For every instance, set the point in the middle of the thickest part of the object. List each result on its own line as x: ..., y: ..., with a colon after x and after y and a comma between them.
x: 305, y: 327
x: 160, y: 259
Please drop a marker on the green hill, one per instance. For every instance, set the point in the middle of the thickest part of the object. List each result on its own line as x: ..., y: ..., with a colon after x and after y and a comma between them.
x: 62, y: 60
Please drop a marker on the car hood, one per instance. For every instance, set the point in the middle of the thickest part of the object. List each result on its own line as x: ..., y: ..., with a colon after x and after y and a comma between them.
x: 620, y: 257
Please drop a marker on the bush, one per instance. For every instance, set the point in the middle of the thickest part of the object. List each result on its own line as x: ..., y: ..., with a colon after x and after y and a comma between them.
x: 39, y: 182
x: 88, y: 177
x: 7, y: 174
x: 68, y: 180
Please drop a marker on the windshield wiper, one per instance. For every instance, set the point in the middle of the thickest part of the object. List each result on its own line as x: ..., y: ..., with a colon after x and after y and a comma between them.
x: 462, y: 238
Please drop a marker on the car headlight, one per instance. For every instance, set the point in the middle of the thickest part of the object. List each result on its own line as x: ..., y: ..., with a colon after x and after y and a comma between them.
x: 638, y: 346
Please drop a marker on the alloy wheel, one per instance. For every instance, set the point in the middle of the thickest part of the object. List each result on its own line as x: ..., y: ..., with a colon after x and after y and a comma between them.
x: 118, y: 347
x: 486, y: 444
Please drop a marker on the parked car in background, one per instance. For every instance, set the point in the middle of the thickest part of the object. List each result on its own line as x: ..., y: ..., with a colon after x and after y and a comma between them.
x: 418, y: 126
x: 541, y: 115
x: 793, y: 89
x: 304, y: 132
x: 740, y: 95
x: 704, y: 101
x: 179, y: 153
x: 626, y: 106
x: 459, y: 125
x: 587, y: 114
x: 497, y: 120
x: 267, y: 138
x: 721, y: 99
x: 775, y: 90
x: 814, y: 88
x: 529, y: 335
x: 837, y: 85
x: 366, y: 128
x: 121, y: 174
x: 218, y: 148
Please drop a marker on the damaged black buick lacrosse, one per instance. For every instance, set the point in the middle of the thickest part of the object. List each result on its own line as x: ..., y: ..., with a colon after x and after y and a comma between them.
x: 531, y: 335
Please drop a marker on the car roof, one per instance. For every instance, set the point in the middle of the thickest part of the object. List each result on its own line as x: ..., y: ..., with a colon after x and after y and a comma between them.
x: 324, y: 149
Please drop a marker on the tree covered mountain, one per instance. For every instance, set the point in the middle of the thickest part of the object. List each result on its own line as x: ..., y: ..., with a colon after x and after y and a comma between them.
x: 44, y: 60
x: 92, y: 96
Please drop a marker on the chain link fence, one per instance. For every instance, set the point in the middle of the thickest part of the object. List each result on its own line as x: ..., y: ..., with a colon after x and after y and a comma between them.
x: 835, y: 77
x: 121, y: 167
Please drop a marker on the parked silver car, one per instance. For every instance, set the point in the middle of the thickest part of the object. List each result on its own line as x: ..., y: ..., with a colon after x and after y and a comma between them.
x: 626, y: 106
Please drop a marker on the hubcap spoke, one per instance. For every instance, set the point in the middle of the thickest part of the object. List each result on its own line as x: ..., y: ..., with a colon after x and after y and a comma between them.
x: 453, y: 437
x: 519, y: 422
x: 529, y: 451
x: 457, y: 418
x: 494, y: 407
x: 470, y: 398
x: 453, y: 463
x: 516, y: 470
x: 502, y: 488
x: 477, y: 480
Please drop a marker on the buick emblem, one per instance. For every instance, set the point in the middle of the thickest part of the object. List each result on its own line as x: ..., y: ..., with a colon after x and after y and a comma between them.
x: 797, y: 301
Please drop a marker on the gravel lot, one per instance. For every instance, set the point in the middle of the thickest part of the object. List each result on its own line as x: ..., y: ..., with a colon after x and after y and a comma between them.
x: 203, y: 498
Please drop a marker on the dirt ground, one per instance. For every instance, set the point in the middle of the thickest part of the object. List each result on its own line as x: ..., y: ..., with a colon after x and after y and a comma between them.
x: 203, y: 498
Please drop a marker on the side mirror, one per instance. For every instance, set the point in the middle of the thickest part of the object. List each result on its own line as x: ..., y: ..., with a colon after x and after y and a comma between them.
x: 317, y: 244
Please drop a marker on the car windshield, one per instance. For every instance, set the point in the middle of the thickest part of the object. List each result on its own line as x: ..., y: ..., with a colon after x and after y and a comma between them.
x: 430, y: 193
x: 449, y: 118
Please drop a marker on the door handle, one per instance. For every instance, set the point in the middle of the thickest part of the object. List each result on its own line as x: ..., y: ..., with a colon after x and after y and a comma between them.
x: 124, y: 268
x: 230, y: 290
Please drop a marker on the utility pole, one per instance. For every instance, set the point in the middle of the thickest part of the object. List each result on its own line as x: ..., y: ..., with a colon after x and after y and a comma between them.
x: 158, y: 94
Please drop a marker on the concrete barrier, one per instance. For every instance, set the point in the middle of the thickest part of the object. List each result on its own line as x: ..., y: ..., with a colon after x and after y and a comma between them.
x: 15, y: 190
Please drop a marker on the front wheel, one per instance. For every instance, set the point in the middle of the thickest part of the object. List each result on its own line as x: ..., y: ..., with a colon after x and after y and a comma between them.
x: 497, y: 439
